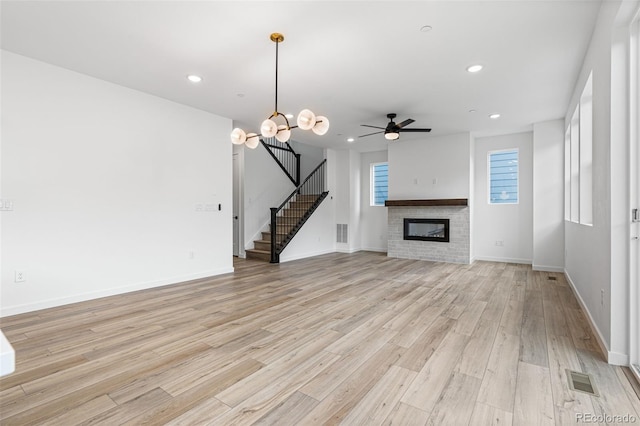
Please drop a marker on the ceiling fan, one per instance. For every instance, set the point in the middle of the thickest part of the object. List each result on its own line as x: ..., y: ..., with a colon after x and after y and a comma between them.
x: 393, y: 130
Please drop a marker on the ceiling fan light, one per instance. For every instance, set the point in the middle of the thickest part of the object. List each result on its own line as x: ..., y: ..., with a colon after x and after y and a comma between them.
x: 269, y: 128
x: 283, y: 134
x: 306, y: 119
x: 322, y: 125
x: 391, y: 136
x: 252, y: 140
x: 238, y: 136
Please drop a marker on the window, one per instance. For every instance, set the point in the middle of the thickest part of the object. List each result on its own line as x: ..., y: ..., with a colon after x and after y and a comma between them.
x: 379, y: 183
x: 586, y: 148
x: 575, y: 166
x: 567, y: 174
x: 503, y: 177
x: 578, y: 161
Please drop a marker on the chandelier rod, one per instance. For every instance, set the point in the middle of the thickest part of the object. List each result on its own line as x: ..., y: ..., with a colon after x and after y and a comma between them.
x: 277, y: 38
x: 276, y: 106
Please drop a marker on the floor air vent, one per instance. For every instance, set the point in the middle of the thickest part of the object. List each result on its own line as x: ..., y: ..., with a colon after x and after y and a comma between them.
x: 582, y: 382
x: 551, y: 278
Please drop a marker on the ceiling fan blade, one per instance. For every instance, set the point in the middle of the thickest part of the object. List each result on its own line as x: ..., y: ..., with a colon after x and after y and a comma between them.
x: 375, y: 127
x: 369, y: 134
x: 405, y: 123
x: 414, y: 130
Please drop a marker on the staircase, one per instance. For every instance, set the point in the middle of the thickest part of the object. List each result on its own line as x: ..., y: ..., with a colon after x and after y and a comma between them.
x: 294, y: 214
x: 288, y: 218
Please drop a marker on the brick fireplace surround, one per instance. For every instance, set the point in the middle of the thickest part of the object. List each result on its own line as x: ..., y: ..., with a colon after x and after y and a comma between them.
x: 457, y: 250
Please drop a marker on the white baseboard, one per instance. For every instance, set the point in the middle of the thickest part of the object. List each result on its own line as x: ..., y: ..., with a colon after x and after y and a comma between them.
x: 7, y: 356
x: 83, y: 297
x: 545, y: 268
x: 614, y: 358
x: 374, y: 249
x: 305, y: 255
x: 502, y: 260
x: 344, y: 250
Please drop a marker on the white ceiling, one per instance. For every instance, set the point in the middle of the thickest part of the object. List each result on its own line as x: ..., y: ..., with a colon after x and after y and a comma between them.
x: 352, y: 61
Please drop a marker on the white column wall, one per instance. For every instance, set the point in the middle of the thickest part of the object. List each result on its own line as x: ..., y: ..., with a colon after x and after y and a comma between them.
x: 548, y: 196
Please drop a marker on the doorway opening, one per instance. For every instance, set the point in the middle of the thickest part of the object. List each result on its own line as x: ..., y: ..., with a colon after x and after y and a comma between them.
x: 238, y: 203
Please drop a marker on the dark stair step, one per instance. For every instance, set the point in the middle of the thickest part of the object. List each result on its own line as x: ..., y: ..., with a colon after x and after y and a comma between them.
x: 300, y: 204
x: 307, y: 197
x: 262, y: 245
x: 266, y: 236
x: 254, y: 254
x: 294, y: 212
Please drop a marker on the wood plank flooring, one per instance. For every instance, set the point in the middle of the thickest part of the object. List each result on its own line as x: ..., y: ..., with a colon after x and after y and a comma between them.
x: 353, y: 339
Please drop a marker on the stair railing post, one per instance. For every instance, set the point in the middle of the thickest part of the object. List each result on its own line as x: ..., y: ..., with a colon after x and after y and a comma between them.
x: 297, y: 169
x: 275, y: 257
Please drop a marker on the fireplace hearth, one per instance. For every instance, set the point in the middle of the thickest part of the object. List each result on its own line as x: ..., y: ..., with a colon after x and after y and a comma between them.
x: 426, y: 230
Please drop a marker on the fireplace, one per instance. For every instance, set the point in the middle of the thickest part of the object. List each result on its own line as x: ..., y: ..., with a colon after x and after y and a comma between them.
x: 458, y: 243
x: 426, y: 230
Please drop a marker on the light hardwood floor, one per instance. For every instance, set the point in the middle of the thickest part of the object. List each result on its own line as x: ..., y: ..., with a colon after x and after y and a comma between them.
x: 355, y: 339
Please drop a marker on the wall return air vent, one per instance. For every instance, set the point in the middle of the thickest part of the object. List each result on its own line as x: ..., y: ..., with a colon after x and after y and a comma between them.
x: 342, y: 233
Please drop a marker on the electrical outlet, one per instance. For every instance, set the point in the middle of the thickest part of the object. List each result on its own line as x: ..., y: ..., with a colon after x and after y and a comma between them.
x: 6, y: 205
x: 192, y: 255
x: 499, y: 243
x: 602, y: 297
x: 21, y: 276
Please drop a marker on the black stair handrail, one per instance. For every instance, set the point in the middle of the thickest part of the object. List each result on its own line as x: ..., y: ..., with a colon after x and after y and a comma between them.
x: 302, y: 202
x: 285, y: 156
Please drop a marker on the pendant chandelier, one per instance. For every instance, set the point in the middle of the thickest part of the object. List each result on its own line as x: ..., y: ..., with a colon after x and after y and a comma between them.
x: 307, y: 120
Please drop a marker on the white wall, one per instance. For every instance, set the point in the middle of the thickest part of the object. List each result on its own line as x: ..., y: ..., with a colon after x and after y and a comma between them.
x: 105, y: 181
x: 347, y: 196
x: 310, y: 157
x: 355, y: 212
x: 318, y: 235
x: 548, y: 196
x: 588, y: 248
x: 342, y: 193
x: 414, y: 166
x: 265, y: 186
x: 596, y: 261
x: 373, y: 219
x: 510, y: 223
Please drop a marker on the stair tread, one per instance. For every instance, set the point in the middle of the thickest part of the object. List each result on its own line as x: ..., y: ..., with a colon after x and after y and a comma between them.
x: 258, y: 251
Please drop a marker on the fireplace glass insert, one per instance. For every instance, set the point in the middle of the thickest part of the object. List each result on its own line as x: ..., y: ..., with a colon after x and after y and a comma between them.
x: 427, y: 230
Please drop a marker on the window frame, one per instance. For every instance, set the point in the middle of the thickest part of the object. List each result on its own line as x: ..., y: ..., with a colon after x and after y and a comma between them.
x: 372, y: 184
x: 578, y: 164
x: 498, y: 151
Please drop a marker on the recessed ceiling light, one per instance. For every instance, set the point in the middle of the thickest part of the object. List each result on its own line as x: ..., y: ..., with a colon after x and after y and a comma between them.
x: 240, y: 95
x: 472, y: 110
x: 474, y: 68
x: 494, y: 116
x: 289, y: 115
x: 350, y: 139
x: 426, y: 29
x: 194, y: 78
